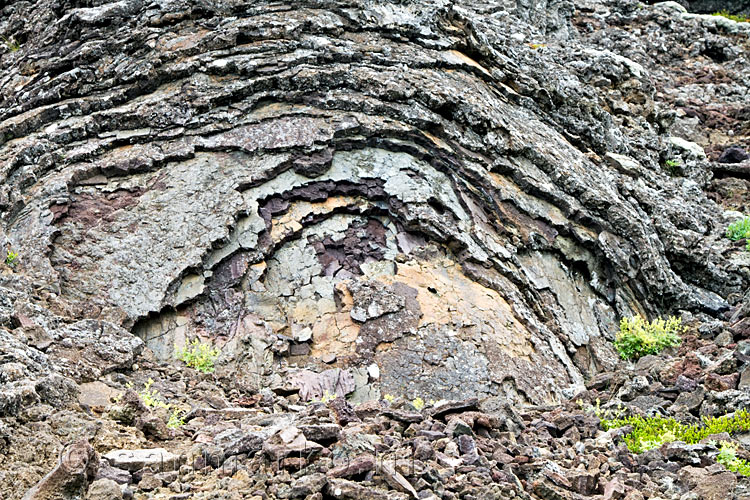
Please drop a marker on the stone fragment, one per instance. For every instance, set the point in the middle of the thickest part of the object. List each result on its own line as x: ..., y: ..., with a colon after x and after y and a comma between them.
x: 128, y: 409
x: 373, y: 371
x: 468, y: 448
x: 308, y: 485
x: 321, y: 432
x: 289, y: 441
x: 104, y: 489
x: 442, y: 408
x: 154, y: 458
x: 708, y: 486
x: 358, y: 465
x: 614, y: 490
x: 402, y: 415
x: 152, y: 425
x: 396, y: 480
x: 457, y: 427
x: 71, y: 477
x: 744, y: 382
x: 149, y: 482
x: 343, y: 412
x: 313, y: 385
x: 97, y: 395
x: 239, y: 441
x: 303, y: 335
x: 714, y: 382
x: 349, y: 490
x: 733, y: 154
x: 106, y: 471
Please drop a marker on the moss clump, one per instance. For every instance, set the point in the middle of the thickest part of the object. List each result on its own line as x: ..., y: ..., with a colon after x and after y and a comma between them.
x: 733, y: 17
x: 652, y: 432
x: 638, y: 337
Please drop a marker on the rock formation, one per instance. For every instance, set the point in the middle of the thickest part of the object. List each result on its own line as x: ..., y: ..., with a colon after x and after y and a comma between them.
x: 435, y: 200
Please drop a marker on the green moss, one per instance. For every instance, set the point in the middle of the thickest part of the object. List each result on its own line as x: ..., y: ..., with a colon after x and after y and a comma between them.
x: 638, y: 337
x: 725, y: 13
x: 652, y: 432
x: 198, y: 355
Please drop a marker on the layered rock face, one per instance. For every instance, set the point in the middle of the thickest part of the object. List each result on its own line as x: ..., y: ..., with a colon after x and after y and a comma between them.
x: 396, y: 180
x: 433, y: 199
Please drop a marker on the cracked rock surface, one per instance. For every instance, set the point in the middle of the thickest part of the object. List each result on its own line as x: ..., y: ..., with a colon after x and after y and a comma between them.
x: 369, y: 199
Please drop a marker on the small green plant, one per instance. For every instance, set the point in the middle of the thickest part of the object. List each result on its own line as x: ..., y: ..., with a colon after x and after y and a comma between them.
x: 602, y: 414
x: 733, y: 17
x: 198, y: 355
x: 12, y: 44
x: 673, y: 167
x: 728, y: 458
x: 638, y: 337
x: 151, y: 397
x: 11, y: 258
x: 176, y: 418
x: 739, y: 230
x: 325, y: 398
x: 418, y: 403
x: 652, y: 432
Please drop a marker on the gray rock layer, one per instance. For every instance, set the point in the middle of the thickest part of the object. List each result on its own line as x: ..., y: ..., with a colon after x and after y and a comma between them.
x: 419, y: 184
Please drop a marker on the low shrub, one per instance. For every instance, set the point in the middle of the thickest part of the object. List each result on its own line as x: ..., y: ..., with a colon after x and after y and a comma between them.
x: 728, y: 458
x: 638, y: 337
x: 652, y: 432
x: 740, y: 230
x: 151, y: 397
x: 176, y: 419
x: 198, y: 355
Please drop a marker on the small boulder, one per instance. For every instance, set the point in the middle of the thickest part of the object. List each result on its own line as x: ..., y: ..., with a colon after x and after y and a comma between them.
x: 733, y: 154
x: 104, y: 489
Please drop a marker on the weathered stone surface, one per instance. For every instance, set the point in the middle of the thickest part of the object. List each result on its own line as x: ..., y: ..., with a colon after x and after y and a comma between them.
x: 133, y: 460
x: 429, y: 199
x: 104, y: 489
x: 289, y: 441
x: 331, y: 383
x: 353, y: 467
x: 76, y: 468
x: 420, y: 196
